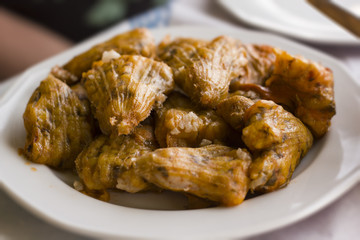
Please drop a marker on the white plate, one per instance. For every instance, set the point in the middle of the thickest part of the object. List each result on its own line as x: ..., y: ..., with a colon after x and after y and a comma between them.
x: 330, y: 168
x: 295, y: 18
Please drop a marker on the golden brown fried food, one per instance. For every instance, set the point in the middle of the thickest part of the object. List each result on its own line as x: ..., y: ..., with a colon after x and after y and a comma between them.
x: 136, y: 42
x: 233, y: 109
x: 214, y: 172
x: 123, y: 91
x: 179, y: 53
x: 58, y: 124
x: 278, y: 141
x: 204, y: 70
x: 108, y: 161
x: 304, y: 87
x: 181, y: 124
x: 260, y: 64
x: 200, y: 129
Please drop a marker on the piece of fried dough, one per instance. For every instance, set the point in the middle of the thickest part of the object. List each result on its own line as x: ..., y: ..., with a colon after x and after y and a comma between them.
x: 181, y: 124
x: 123, y: 91
x: 278, y: 141
x: 203, y: 70
x: 58, y: 124
x: 135, y: 42
x: 304, y: 87
x: 260, y: 64
x: 214, y: 172
x: 108, y: 161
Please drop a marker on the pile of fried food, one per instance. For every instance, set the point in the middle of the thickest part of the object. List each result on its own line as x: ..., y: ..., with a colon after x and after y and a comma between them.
x: 213, y: 119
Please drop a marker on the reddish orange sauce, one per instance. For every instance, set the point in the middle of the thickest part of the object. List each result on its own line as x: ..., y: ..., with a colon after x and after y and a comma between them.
x: 102, y: 195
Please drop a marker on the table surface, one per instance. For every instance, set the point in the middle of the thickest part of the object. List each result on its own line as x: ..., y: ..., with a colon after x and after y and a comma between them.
x: 339, y: 220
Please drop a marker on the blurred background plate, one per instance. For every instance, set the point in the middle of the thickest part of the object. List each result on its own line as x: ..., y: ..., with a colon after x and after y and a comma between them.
x: 295, y: 18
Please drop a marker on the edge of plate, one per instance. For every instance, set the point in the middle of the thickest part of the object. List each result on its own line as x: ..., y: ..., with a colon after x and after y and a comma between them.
x: 328, y: 198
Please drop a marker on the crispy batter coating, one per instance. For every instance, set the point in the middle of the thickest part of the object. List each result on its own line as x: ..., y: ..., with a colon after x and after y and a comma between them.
x: 58, y: 124
x: 204, y: 70
x: 108, y: 161
x: 214, y: 172
x: 181, y: 124
x: 136, y: 42
x: 304, y: 87
x: 278, y: 141
x: 123, y: 91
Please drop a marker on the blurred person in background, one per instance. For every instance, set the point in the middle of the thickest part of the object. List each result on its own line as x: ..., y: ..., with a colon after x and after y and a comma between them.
x: 33, y: 30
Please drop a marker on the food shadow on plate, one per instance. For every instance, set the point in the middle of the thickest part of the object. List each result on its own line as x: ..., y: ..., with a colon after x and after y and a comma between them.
x: 156, y: 200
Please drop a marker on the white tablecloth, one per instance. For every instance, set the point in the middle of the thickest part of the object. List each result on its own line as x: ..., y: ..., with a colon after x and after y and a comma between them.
x: 339, y: 220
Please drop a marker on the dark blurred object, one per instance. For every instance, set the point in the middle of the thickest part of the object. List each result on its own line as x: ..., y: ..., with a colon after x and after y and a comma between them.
x: 23, y: 43
x: 338, y: 14
x: 79, y: 19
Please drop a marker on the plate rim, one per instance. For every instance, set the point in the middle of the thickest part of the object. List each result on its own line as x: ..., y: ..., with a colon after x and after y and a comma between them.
x: 336, y: 192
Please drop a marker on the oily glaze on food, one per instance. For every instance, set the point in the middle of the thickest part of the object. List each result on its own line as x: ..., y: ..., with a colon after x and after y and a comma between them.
x: 58, y: 124
x: 260, y: 63
x: 233, y: 109
x: 181, y: 124
x: 204, y: 70
x: 304, y: 87
x: 214, y: 172
x: 123, y: 91
x: 108, y: 162
x: 212, y: 119
x: 276, y: 139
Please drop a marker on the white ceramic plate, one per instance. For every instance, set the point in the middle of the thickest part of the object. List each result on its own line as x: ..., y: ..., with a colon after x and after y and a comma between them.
x: 330, y: 168
x: 295, y: 18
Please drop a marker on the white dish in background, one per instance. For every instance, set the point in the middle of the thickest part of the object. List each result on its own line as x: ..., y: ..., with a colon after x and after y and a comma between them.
x: 294, y: 18
x: 331, y: 167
